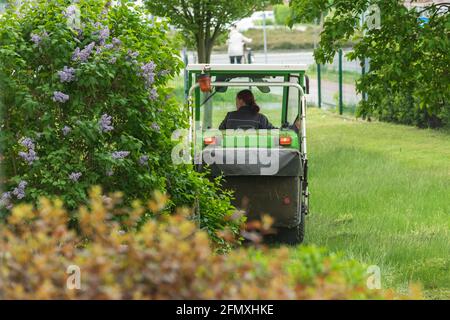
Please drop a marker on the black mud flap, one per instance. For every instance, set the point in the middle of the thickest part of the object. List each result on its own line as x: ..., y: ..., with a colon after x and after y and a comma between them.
x: 276, y: 196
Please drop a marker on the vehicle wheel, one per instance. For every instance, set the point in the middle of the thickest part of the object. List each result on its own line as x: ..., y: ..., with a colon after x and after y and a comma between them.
x: 291, y: 236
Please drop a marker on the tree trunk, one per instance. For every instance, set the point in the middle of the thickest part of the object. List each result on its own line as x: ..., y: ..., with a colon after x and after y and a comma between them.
x: 208, y: 49
x: 204, y: 49
x: 201, y: 49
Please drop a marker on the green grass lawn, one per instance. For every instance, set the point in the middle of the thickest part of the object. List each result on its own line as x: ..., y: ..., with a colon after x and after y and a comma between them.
x: 380, y: 193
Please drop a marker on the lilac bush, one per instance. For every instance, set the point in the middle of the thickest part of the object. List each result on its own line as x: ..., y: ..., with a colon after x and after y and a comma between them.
x: 66, y: 106
x: 96, y: 92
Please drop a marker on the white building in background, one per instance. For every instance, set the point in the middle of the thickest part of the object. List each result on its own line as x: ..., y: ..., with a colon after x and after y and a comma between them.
x: 422, y: 3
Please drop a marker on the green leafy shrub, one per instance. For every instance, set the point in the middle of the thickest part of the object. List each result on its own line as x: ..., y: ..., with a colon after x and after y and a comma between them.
x: 167, y: 257
x: 282, y: 14
x: 407, y: 81
x: 84, y: 101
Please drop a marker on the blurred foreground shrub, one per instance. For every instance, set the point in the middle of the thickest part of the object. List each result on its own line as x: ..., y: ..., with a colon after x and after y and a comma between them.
x: 166, y: 257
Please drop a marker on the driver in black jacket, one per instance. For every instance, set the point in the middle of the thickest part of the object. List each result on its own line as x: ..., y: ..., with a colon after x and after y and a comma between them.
x: 247, y: 115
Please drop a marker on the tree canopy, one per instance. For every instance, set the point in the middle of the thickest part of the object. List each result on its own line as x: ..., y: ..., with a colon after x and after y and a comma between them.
x: 203, y: 21
x: 408, y: 79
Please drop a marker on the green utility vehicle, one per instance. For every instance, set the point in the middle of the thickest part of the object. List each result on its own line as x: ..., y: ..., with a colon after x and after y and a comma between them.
x: 267, y: 169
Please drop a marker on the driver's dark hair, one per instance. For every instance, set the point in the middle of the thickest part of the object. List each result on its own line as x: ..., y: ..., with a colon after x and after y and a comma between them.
x: 249, y: 99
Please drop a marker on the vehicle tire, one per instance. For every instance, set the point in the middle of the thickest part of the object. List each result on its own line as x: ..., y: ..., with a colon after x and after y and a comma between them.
x: 290, y: 236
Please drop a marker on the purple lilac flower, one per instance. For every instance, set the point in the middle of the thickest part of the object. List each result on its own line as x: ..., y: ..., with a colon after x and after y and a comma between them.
x: 36, y: 39
x: 143, y: 160
x: 58, y: 96
x: 116, y: 42
x: 153, y: 94
x: 113, y: 60
x: 71, y: 11
x: 109, y: 46
x: 164, y: 73
x: 83, y: 55
x: 155, y: 127
x: 148, y: 67
x: 74, y: 176
x: 6, y: 196
x: 75, y: 54
x: 150, y: 79
x: 105, y: 123
x: 79, y: 32
x: 29, y: 156
x: 67, y: 74
x: 132, y: 54
x: 19, y: 192
x: 66, y: 130
x: 27, y: 142
x: 103, y: 35
x: 119, y: 154
x: 23, y: 184
x: 148, y: 72
x: 99, y: 50
x: 6, y: 200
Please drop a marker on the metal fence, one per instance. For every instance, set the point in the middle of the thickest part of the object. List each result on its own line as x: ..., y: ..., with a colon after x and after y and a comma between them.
x: 336, y: 84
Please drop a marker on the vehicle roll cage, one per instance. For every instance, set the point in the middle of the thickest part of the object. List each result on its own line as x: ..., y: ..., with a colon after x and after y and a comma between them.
x: 301, y: 104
